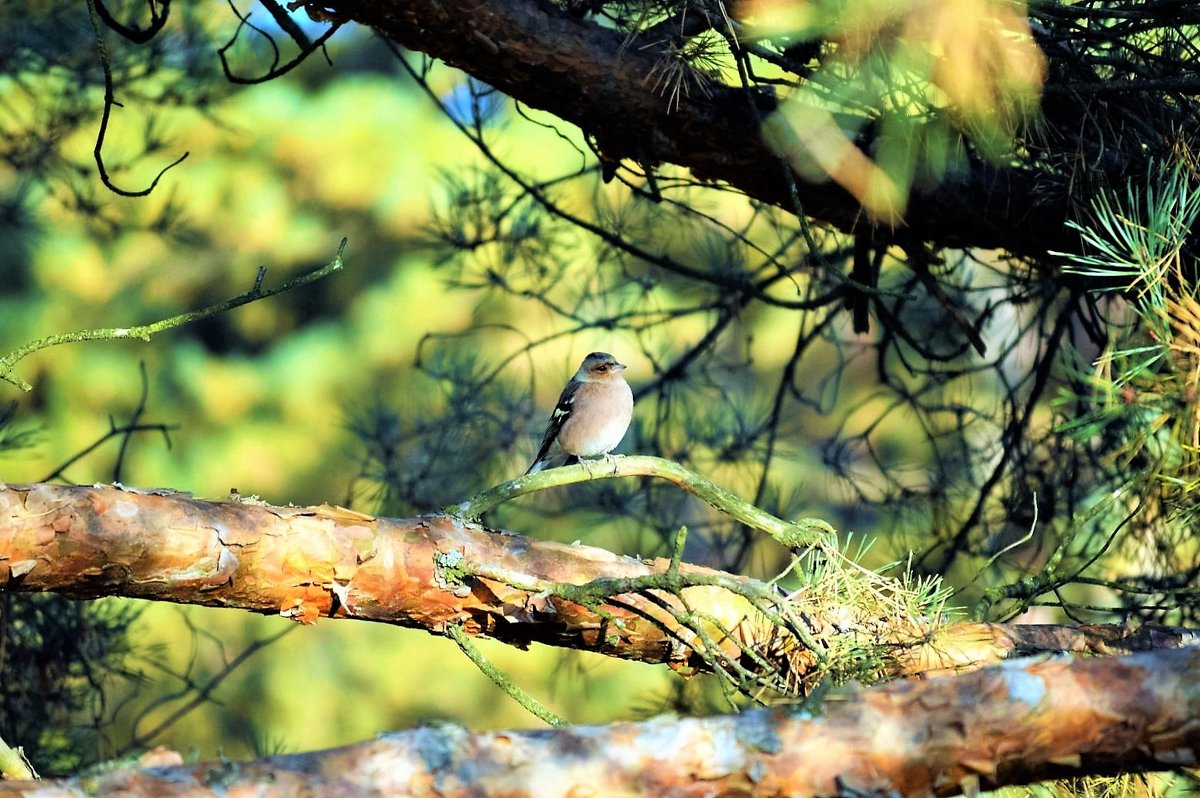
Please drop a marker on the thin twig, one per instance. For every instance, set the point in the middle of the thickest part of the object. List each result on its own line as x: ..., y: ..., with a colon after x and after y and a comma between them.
x: 802, y: 533
x: 158, y: 20
x: 125, y: 431
x: 498, y: 678
x: 285, y: 22
x: 205, y: 690
x: 133, y: 419
x: 145, y: 331
x: 110, y: 100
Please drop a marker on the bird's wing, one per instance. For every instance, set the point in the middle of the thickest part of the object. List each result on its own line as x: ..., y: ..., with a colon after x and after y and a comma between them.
x: 562, y: 411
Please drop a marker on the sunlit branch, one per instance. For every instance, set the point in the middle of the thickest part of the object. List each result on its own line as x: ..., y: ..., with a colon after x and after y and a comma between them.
x: 145, y: 331
x: 500, y: 679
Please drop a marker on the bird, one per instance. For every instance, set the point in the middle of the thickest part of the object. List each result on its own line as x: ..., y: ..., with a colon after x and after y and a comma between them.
x: 592, y: 414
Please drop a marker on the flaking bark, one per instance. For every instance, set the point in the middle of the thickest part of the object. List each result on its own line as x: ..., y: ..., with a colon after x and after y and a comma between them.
x: 309, y: 563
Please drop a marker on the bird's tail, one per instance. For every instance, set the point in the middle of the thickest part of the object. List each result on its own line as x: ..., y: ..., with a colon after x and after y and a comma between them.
x: 548, y: 462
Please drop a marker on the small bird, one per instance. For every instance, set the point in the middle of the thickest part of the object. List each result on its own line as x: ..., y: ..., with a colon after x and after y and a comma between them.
x: 592, y: 413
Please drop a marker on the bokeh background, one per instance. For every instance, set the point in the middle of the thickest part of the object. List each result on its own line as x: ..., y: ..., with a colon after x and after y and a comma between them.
x: 262, y: 399
x: 923, y: 409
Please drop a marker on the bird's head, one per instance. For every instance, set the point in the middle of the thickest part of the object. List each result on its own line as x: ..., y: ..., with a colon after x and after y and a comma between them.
x: 599, y: 366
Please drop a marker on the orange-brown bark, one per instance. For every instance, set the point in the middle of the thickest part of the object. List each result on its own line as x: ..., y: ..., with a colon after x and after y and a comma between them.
x: 309, y: 563
x: 965, y: 646
x: 1013, y: 724
x: 314, y: 562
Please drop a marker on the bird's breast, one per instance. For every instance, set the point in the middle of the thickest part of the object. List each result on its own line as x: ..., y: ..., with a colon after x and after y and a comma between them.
x: 598, y: 431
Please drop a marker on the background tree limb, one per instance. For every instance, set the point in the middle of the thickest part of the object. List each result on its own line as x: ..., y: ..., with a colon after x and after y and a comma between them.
x: 1015, y: 724
x: 601, y: 80
x: 145, y: 331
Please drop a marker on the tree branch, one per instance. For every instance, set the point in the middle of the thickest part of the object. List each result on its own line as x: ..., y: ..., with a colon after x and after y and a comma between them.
x: 799, y: 534
x: 307, y: 563
x: 110, y: 100
x: 1011, y: 725
x: 313, y: 562
x: 146, y: 331
x: 595, y: 77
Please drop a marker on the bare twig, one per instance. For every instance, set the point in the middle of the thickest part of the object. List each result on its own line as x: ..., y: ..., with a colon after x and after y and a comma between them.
x: 110, y: 101
x: 286, y: 23
x: 498, y: 678
x: 205, y: 690
x: 146, y: 331
x: 159, y: 12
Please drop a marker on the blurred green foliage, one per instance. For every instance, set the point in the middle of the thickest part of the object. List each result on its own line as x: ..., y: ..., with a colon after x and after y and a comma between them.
x: 473, y: 285
x: 934, y: 76
x: 262, y: 397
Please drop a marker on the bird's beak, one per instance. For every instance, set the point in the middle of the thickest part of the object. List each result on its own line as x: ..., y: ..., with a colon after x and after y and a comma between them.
x: 620, y: 366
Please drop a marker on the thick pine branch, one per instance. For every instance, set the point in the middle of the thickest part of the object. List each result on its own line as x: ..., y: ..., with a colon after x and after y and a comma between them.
x: 1015, y: 724
x: 315, y: 562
